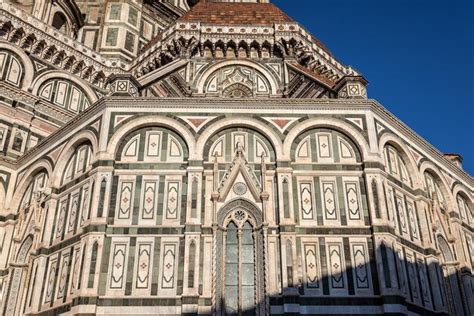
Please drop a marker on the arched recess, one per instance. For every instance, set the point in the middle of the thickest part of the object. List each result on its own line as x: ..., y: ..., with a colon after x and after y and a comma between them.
x: 445, y: 249
x: 430, y: 168
x: 202, y: 79
x: 29, y: 70
x: 18, y: 277
x: 329, y: 123
x: 60, y: 22
x: 249, y: 123
x: 403, y: 151
x: 240, y: 218
x: 152, y: 144
x: 465, y: 204
x: 337, y: 147
x: 451, y: 278
x: 222, y: 145
x: 152, y: 120
x: 54, y: 74
x: 69, y: 150
x: 41, y: 166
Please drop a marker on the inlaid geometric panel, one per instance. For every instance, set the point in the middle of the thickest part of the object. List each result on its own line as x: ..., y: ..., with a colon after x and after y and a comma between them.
x: 329, y: 200
x: 401, y: 213
x: 14, y: 72
x: 119, y: 255
x: 63, y: 276
x: 143, y: 266
x: 413, y: 219
x: 48, y: 295
x: 360, y: 261
x: 149, y: 200
x: 168, y: 266
x: 402, y: 271
x: 336, y: 266
x: 423, y: 281
x: 172, y: 200
x: 62, y: 217
x: 85, y: 204
x: 74, y: 209
x: 306, y: 200
x: 311, y: 260
x: 153, y: 144
x: 174, y: 148
x: 324, y: 145
x: 76, y: 271
x: 125, y: 200
x: 352, y: 200
x: 412, y: 275
x: 345, y: 150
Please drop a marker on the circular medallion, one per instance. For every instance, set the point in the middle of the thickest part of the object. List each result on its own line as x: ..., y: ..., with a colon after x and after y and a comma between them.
x: 240, y: 188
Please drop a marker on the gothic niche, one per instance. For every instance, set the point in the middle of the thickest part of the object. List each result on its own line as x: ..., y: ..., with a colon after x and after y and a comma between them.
x: 237, y: 82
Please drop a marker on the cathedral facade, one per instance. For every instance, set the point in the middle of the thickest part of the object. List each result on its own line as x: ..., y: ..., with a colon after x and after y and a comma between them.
x: 167, y: 157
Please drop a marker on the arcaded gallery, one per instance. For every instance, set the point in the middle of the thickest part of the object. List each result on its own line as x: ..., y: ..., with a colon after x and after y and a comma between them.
x: 170, y: 157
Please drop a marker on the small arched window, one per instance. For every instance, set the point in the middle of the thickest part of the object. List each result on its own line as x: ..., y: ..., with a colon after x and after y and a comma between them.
x: 18, y: 142
x: 395, y: 165
x: 464, y: 210
x: 37, y: 184
x: 78, y: 164
x: 60, y: 22
x: 433, y: 187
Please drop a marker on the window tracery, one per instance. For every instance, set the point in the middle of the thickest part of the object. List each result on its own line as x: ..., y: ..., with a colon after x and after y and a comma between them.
x: 239, y: 275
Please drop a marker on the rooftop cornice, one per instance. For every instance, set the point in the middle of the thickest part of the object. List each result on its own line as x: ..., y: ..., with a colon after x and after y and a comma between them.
x: 58, y: 49
x: 206, y: 104
x: 308, y: 48
x: 42, y: 31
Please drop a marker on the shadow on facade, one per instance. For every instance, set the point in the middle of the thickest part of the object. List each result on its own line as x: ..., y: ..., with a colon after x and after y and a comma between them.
x: 401, y: 283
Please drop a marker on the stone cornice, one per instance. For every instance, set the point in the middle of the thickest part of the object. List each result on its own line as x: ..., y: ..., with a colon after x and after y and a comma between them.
x: 42, y: 31
x: 40, y: 105
x: 296, y: 106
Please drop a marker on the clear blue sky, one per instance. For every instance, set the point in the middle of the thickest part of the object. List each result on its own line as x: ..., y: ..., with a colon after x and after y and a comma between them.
x: 417, y: 55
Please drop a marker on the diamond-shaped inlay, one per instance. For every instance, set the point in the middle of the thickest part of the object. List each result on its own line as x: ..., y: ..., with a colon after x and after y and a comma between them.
x: 168, y: 265
x: 118, y: 265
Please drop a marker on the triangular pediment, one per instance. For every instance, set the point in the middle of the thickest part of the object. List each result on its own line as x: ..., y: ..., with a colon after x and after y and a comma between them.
x: 240, y: 180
